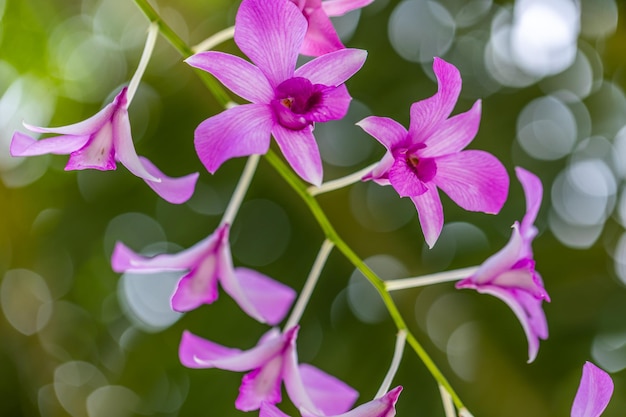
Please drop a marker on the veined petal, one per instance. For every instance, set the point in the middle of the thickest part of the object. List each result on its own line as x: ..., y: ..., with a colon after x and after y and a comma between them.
x: 385, y: 130
x: 404, y: 180
x: 430, y: 213
x: 453, y: 134
x: 321, y: 37
x: 124, y: 147
x: 301, y: 151
x: 270, y: 410
x: 98, y: 152
x: 237, y: 74
x: 173, y: 190
x: 533, y: 190
x: 426, y: 114
x: 330, y: 395
x: 528, y: 310
x: 24, y: 145
x: 261, y: 386
x: 475, y: 180
x: 196, y: 352
x: 594, y: 392
x: 341, y: 7
x: 87, y: 126
x: 239, y: 131
x: 270, y: 33
x: 333, y: 105
x: 258, y: 295
x: 333, y: 68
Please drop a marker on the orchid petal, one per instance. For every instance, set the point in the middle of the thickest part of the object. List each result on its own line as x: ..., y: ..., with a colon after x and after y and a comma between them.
x: 404, y: 180
x: 301, y: 151
x: 334, y: 68
x: 24, y: 145
x: 98, y: 152
x: 594, y: 392
x: 237, y: 74
x: 270, y: 33
x: 333, y: 105
x: 84, y: 127
x: 380, y: 172
x: 533, y: 191
x: 270, y: 410
x: 196, y: 352
x: 385, y: 130
x: 239, y: 131
x: 475, y: 180
x: 197, y: 287
x: 258, y: 295
x: 173, y: 190
x: 261, y: 386
x: 430, y: 213
x: 454, y: 134
x: 380, y: 407
x: 329, y: 394
x: 321, y: 37
x: 124, y: 148
x: 426, y: 114
x: 341, y: 7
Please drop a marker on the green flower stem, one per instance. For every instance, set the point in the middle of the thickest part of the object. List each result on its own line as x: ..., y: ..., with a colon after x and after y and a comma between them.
x: 185, y: 50
x: 301, y: 188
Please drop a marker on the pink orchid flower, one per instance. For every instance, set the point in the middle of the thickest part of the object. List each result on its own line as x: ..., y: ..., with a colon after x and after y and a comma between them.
x: 272, y: 361
x: 430, y: 156
x: 594, y: 392
x: 285, y: 102
x: 209, y: 262
x: 384, y: 406
x: 321, y: 37
x: 510, y: 273
x: 100, y: 141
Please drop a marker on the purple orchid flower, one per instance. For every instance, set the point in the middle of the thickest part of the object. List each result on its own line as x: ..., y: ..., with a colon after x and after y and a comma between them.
x: 273, y: 360
x: 510, y: 273
x: 100, y: 141
x: 380, y: 407
x: 594, y: 392
x: 430, y: 156
x: 321, y: 37
x: 209, y: 262
x: 284, y: 102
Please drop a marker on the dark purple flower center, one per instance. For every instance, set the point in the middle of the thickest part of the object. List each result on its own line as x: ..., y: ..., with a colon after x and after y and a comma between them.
x: 296, y: 102
x: 424, y: 168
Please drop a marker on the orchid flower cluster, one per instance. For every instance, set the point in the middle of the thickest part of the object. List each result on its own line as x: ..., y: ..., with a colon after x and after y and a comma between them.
x: 286, y: 102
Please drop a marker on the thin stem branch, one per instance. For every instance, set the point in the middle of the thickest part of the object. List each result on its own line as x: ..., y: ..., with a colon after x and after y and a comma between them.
x: 448, y: 405
x: 180, y: 45
x: 464, y: 412
x: 153, y: 31
x: 211, y: 42
x: 301, y: 189
x: 437, y: 278
x: 341, y: 182
x: 395, y: 363
x: 240, y: 190
x: 309, y: 285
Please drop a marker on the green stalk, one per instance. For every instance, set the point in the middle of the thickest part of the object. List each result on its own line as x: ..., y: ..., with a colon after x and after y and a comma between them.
x: 301, y: 188
x: 185, y: 50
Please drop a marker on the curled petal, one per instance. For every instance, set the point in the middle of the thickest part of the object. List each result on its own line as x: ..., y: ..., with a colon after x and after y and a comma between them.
x: 594, y: 392
x: 238, y: 75
x: 475, y: 180
x: 385, y: 130
x: 341, y: 7
x: 261, y: 386
x: 321, y: 37
x: 454, y: 134
x: 533, y: 190
x: 333, y: 68
x: 124, y: 148
x: 427, y: 114
x: 87, y: 126
x: 239, y: 131
x: 197, y: 287
x: 98, y: 152
x: 173, y: 190
x: 270, y: 33
x: 381, y: 407
x: 196, y: 352
x: 380, y: 173
x: 301, y: 151
x: 430, y: 213
x: 24, y: 145
x: 270, y: 410
x: 258, y: 295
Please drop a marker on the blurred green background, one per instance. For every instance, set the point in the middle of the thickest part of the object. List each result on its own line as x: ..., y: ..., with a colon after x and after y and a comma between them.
x: 79, y: 340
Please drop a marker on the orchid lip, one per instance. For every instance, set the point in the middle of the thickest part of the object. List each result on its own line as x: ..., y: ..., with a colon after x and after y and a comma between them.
x: 296, y: 102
